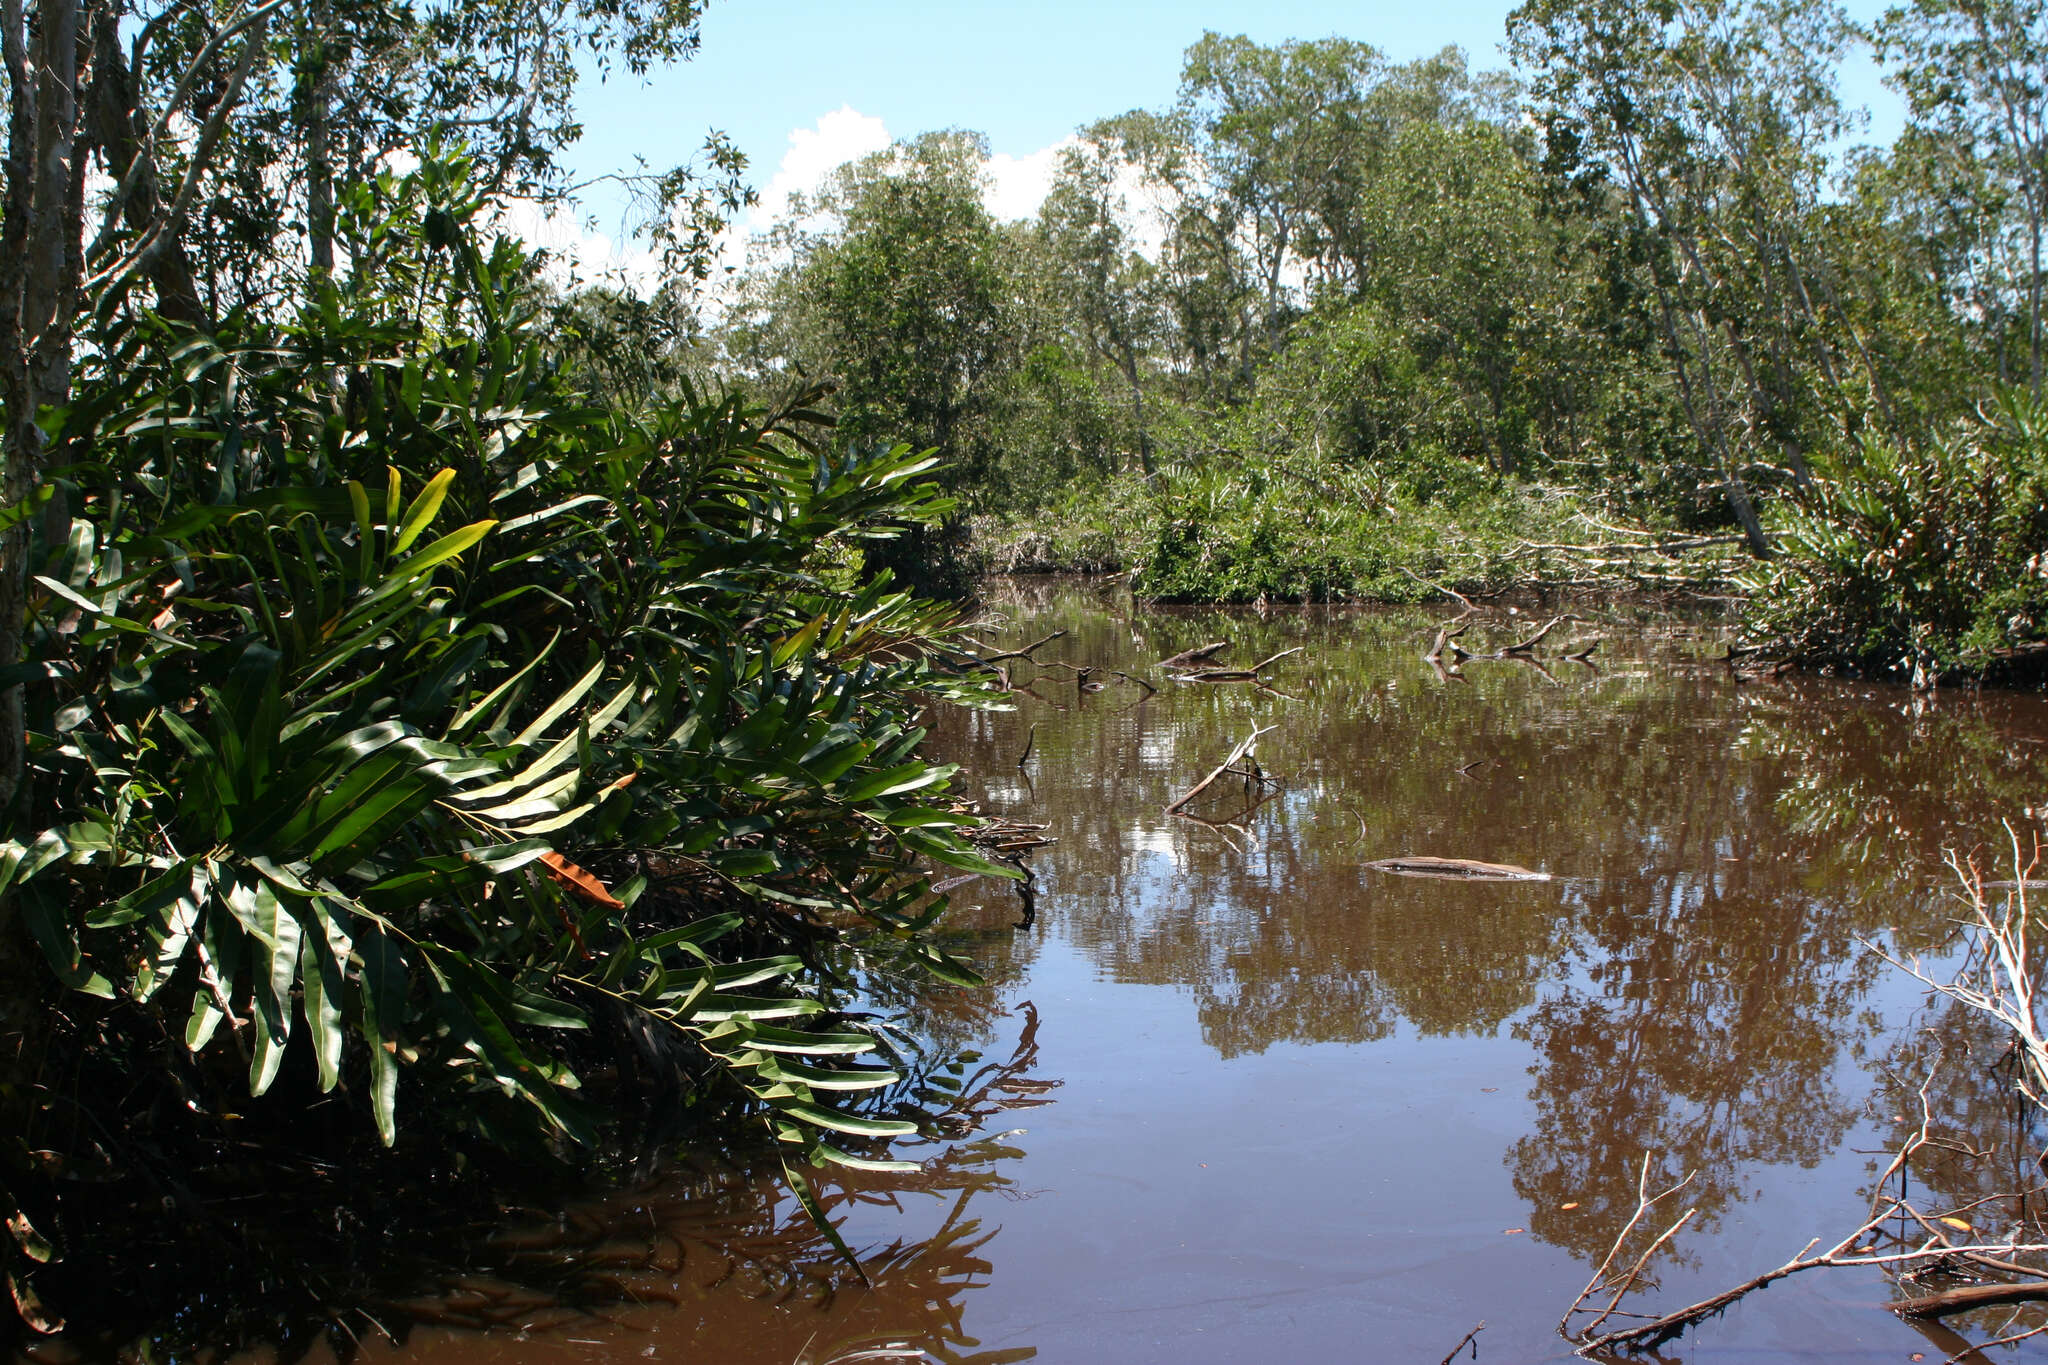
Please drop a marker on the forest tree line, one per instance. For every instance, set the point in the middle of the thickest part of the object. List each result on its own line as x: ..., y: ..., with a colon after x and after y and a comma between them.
x: 1333, y: 321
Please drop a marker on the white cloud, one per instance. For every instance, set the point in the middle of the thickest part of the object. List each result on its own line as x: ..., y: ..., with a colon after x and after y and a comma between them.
x: 1018, y: 184
x: 841, y: 136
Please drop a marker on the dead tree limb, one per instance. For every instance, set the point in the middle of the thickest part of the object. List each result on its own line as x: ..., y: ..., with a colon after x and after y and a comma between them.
x: 1201, y: 654
x: 1852, y: 1250
x: 1463, y: 1342
x: 1526, y: 645
x: 1244, y: 747
x: 1024, y: 653
x: 1645, y: 1201
x: 1968, y: 1297
x: 1444, y: 636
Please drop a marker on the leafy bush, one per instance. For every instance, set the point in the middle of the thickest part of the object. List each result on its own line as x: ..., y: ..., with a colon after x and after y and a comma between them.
x: 404, y: 731
x: 1918, y: 559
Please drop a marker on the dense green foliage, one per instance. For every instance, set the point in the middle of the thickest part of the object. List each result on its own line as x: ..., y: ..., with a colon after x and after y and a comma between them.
x: 1332, y: 321
x: 1923, y: 560
x: 404, y: 729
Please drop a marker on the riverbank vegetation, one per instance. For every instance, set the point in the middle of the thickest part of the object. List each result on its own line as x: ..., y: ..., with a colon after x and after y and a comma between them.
x: 415, y: 734
x: 1332, y: 324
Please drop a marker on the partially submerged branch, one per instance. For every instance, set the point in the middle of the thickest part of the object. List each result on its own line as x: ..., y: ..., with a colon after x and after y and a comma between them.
x: 1244, y: 749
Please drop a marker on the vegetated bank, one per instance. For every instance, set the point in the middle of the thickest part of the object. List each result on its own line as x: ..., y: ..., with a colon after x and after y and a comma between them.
x: 1336, y: 326
x: 421, y: 756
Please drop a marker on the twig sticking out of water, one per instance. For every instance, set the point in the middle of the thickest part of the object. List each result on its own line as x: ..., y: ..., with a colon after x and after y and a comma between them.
x: 1243, y: 749
x: 1998, y: 979
x: 1856, y: 1249
x: 1463, y: 1342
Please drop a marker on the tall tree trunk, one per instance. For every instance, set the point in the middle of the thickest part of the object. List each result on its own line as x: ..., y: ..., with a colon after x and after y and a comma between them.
x: 118, y: 126
x: 317, y: 112
x: 40, y: 266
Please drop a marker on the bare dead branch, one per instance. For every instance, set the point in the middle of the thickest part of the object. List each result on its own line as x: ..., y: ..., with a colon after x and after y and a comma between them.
x: 1244, y: 748
x: 1024, y: 653
x: 1526, y: 645
x: 1463, y: 1342
x: 1201, y: 654
x: 1968, y: 1297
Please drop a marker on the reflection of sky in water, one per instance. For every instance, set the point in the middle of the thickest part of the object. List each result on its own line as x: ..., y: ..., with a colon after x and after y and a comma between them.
x: 1307, y: 1110
x: 1396, y: 1073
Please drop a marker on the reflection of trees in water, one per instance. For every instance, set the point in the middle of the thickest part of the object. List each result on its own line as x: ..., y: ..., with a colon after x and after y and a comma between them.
x: 1893, y: 785
x: 1706, y: 1034
x: 711, y: 1262
x: 1688, y: 985
x: 727, y: 1267
x: 1985, y: 1138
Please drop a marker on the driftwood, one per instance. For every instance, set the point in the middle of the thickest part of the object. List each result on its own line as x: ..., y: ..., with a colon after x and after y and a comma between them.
x: 1859, y: 1248
x: 1214, y: 675
x: 1968, y: 1297
x: 1243, y: 750
x: 1525, y: 646
x: 1201, y: 654
x: 1457, y: 869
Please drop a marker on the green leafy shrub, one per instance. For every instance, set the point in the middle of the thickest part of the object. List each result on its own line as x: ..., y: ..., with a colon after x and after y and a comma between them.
x: 405, y: 732
x: 1919, y: 559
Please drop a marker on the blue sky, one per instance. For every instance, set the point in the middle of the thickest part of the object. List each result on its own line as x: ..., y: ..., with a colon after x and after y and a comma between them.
x: 803, y: 84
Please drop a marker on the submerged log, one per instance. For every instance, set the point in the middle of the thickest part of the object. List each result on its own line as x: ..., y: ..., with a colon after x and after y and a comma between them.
x: 1458, y: 869
x: 1201, y: 654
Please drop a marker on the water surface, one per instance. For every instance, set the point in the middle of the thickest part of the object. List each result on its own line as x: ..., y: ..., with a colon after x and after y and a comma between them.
x: 1275, y: 1103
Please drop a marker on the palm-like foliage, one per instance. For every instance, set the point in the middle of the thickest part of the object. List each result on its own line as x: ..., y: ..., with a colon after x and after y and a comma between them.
x: 392, y: 712
x: 1921, y: 557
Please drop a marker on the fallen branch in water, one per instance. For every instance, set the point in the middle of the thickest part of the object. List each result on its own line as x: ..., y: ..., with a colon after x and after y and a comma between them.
x: 1201, y: 654
x: 1526, y: 645
x: 1463, y: 1342
x: 1463, y: 869
x: 1856, y: 1249
x: 1024, y: 653
x: 1968, y: 1297
x: 1236, y: 674
x: 1444, y: 636
x: 1243, y: 749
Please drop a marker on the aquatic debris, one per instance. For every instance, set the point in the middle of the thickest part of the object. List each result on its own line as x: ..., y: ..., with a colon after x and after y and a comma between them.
x: 1244, y: 749
x: 1458, y: 869
x: 1252, y: 674
x: 1201, y: 654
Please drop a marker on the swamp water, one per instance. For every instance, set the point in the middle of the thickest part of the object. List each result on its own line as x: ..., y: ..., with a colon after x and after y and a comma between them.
x: 1275, y: 1104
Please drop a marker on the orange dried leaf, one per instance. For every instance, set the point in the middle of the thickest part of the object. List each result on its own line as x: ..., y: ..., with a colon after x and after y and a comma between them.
x: 579, y: 881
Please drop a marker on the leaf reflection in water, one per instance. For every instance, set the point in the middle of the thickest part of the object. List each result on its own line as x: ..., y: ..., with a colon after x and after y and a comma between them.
x: 725, y: 1266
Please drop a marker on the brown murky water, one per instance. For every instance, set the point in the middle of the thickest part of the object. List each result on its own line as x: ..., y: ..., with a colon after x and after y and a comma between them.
x: 1246, y: 1098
